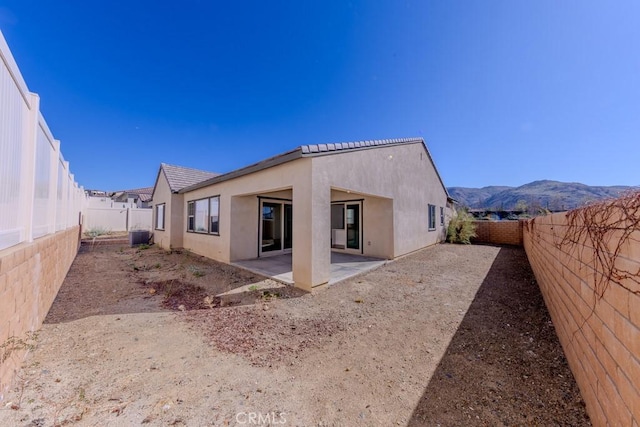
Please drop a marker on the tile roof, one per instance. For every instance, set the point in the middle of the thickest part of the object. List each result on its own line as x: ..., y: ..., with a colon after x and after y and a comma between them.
x: 305, y: 151
x: 341, y: 146
x: 143, y: 190
x: 180, y: 177
x: 145, y: 197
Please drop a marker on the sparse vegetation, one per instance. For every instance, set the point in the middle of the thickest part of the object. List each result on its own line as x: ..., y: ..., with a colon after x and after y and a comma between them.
x: 461, y: 228
x: 96, y: 232
x: 14, y: 343
x: 267, y: 295
x: 253, y: 288
x: 196, y: 271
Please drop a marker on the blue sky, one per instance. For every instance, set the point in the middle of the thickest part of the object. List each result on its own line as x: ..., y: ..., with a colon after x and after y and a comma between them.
x: 504, y: 92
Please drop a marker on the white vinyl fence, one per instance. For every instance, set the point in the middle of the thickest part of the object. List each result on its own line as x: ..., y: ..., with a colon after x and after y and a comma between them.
x: 38, y: 195
x: 115, y: 219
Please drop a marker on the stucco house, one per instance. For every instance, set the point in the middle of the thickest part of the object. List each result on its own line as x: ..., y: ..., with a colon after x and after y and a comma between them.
x: 380, y: 198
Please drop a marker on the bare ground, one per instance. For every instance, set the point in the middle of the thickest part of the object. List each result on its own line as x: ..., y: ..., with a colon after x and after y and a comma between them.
x: 451, y: 335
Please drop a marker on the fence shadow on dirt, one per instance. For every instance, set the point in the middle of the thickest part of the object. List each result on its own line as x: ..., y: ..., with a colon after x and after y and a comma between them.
x: 504, y: 365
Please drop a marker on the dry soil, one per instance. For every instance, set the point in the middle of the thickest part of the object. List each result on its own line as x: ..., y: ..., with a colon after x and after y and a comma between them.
x: 450, y: 335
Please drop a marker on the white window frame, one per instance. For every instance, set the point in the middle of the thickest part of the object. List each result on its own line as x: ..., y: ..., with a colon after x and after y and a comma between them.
x: 160, y: 207
x: 208, y: 218
x: 432, y: 217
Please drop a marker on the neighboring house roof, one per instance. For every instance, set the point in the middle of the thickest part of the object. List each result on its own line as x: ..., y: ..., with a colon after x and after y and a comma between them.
x: 144, y: 194
x: 145, y: 197
x: 180, y: 177
x: 143, y: 190
x: 312, y: 151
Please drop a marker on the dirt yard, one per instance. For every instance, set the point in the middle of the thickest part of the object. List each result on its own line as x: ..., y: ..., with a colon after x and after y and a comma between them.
x: 451, y: 335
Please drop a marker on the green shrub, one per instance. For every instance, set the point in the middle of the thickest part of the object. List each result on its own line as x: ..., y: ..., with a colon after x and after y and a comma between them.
x: 461, y: 228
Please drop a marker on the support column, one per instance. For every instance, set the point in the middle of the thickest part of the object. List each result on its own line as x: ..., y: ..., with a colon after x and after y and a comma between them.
x: 311, y: 231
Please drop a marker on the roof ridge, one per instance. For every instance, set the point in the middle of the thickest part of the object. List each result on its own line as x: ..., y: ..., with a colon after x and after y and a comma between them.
x: 179, y: 177
x: 339, y: 146
x: 187, y: 167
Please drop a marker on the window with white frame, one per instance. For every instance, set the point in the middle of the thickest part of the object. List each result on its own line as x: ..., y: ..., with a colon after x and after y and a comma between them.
x: 160, y: 216
x: 203, y: 215
x: 191, y: 216
x: 432, y: 217
x: 214, y: 211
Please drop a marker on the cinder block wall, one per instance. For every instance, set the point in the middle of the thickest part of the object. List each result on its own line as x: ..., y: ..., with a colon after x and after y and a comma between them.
x: 600, y: 335
x: 498, y: 232
x: 30, y: 276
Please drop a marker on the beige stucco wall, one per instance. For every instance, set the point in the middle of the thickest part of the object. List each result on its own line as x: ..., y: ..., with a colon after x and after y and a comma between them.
x: 402, y: 173
x: 178, y: 223
x: 174, y: 223
x: 377, y: 222
x: 245, y: 224
x: 239, y: 200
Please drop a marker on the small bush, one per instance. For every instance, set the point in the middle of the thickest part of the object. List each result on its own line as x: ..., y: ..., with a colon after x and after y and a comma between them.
x: 461, y: 228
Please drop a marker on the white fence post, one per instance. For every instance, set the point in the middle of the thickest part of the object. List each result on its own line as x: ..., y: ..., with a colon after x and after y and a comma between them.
x: 27, y: 187
x: 53, y: 186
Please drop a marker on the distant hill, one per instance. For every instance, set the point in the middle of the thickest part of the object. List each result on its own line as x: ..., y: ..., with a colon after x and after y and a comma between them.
x: 553, y: 195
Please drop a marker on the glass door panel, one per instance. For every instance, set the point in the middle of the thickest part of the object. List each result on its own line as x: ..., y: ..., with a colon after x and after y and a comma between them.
x: 338, y: 233
x: 288, y: 226
x: 271, y: 227
x: 353, y: 226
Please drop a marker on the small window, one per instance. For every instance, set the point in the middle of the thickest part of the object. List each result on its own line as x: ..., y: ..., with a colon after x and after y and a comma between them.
x: 203, y: 215
x: 432, y: 217
x: 191, y: 215
x: 214, y: 212
x: 441, y: 216
x: 160, y: 216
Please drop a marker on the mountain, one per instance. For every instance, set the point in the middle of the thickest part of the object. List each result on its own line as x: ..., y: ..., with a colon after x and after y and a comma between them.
x: 553, y: 195
x: 475, y: 197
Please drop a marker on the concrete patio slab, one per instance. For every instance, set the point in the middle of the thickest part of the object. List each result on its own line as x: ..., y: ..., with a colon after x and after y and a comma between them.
x: 343, y: 266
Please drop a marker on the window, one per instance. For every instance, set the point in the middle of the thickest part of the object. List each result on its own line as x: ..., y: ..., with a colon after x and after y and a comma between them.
x: 432, y: 217
x: 214, y: 211
x: 160, y: 216
x: 203, y: 215
x: 441, y: 216
x: 191, y: 213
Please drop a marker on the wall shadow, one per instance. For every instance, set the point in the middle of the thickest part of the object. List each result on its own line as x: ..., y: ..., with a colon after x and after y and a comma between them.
x: 504, y: 365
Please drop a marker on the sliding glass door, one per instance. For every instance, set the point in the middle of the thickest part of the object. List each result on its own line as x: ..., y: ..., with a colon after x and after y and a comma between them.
x: 346, y: 226
x: 276, y: 227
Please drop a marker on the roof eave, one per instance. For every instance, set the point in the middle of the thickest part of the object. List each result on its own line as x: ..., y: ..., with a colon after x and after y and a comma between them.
x: 256, y: 167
